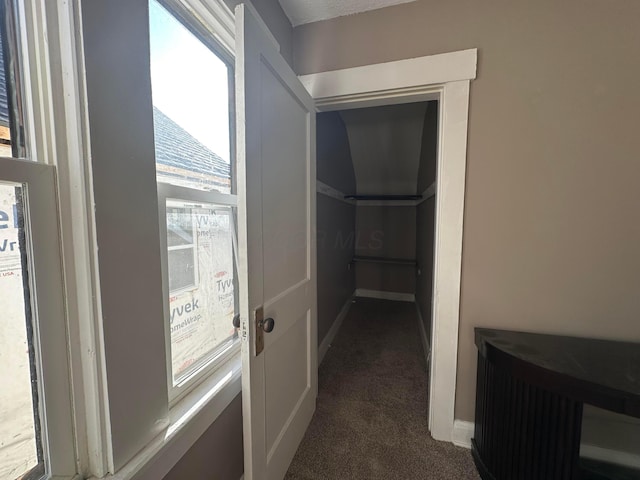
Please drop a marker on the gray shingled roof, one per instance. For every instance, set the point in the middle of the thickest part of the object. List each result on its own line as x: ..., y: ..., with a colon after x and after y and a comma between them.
x: 182, y: 158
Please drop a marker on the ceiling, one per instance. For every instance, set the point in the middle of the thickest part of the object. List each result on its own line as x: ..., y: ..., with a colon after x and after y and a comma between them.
x: 385, y: 147
x: 308, y: 11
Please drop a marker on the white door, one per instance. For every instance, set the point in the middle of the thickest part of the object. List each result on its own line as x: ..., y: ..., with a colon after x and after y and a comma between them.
x: 277, y: 247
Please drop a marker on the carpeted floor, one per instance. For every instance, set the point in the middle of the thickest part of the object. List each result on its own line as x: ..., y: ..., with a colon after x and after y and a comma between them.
x: 371, y: 417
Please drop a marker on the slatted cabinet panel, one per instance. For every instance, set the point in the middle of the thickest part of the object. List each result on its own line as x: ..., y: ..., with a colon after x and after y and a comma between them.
x: 524, y: 432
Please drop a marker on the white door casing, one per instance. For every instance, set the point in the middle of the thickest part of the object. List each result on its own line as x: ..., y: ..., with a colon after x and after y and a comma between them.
x: 444, y: 77
x: 277, y: 251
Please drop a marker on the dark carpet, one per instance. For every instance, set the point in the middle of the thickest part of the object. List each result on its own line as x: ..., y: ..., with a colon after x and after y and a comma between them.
x: 371, y: 417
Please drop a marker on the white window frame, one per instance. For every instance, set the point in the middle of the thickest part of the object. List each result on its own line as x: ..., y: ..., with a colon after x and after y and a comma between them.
x: 57, y: 137
x: 228, y: 352
x: 204, y: 19
x: 193, y: 246
x: 47, y: 295
x: 43, y: 248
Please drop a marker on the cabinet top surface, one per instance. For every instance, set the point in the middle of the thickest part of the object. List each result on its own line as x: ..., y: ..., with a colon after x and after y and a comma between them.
x: 609, y: 366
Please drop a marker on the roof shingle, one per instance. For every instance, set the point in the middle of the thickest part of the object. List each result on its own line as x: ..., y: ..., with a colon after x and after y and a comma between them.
x: 181, y: 158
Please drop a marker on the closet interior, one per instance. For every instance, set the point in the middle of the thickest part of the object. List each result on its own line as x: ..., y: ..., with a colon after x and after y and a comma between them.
x: 376, y: 178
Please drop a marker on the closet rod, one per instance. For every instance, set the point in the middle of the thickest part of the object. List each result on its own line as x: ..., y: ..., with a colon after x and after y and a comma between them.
x: 390, y: 261
x: 383, y: 197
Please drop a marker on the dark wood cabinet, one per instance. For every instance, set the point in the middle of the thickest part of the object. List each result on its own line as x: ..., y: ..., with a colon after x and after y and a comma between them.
x: 530, y: 394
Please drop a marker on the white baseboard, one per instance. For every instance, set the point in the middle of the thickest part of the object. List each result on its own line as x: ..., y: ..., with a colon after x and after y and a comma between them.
x: 400, y: 297
x: 333, y: 331
x: 462, y: 433
x: 424, y: 337
x: 625, y: 459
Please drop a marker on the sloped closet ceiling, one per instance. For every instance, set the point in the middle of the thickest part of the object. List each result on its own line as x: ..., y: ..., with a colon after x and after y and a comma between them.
x: 385, y: 147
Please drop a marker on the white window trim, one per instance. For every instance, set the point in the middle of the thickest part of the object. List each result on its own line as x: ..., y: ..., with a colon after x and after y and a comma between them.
x: 56, y: 65
x: 45, y: 146
x: 47, y: 296
x: 189, y: 419
x: 168, y: 192
x: 194, y: 247
x: 212, y: 15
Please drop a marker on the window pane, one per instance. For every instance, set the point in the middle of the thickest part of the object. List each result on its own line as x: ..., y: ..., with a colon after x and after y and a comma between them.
x: 182, y: 272
x: 5, y: 129
x: 20, y: 448
x: 201, y: 317
x: 12, y: 142
x: 190, y: 107
x: 179, y: 227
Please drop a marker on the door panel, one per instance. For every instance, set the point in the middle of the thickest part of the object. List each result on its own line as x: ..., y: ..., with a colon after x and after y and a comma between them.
x: 285, y: 223
x: 287, y: 378
x: 277, y: 250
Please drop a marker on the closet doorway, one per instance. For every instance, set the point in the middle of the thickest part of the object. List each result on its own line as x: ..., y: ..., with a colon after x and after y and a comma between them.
x: 445, y: 78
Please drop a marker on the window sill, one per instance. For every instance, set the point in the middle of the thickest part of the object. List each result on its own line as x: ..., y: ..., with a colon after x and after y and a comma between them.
x: 189, y: 418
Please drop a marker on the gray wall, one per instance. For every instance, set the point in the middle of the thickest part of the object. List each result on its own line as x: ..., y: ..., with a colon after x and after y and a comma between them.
x: 334, y: 164
x: 335, y: 219
x: 551, y: 229
x: 425, y: 215
x: 387, y: 232
x: 385, y: 147
x: 218, y: 453
x: 429, y: 148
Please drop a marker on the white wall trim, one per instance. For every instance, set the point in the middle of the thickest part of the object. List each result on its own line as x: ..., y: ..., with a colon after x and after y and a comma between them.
x: 426, y: 344
x: 444, y: 78
x: 397, y: 296
x: 452, y: 160
x: 329, y: 191
x: 335, y: 328
x: 462, y: 433
x: 337, y: 85
x: 626, y: 459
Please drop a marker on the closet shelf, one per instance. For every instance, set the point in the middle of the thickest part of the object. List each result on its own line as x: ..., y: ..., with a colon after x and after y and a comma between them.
x: 383, y: 197
x: 389, y: 261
